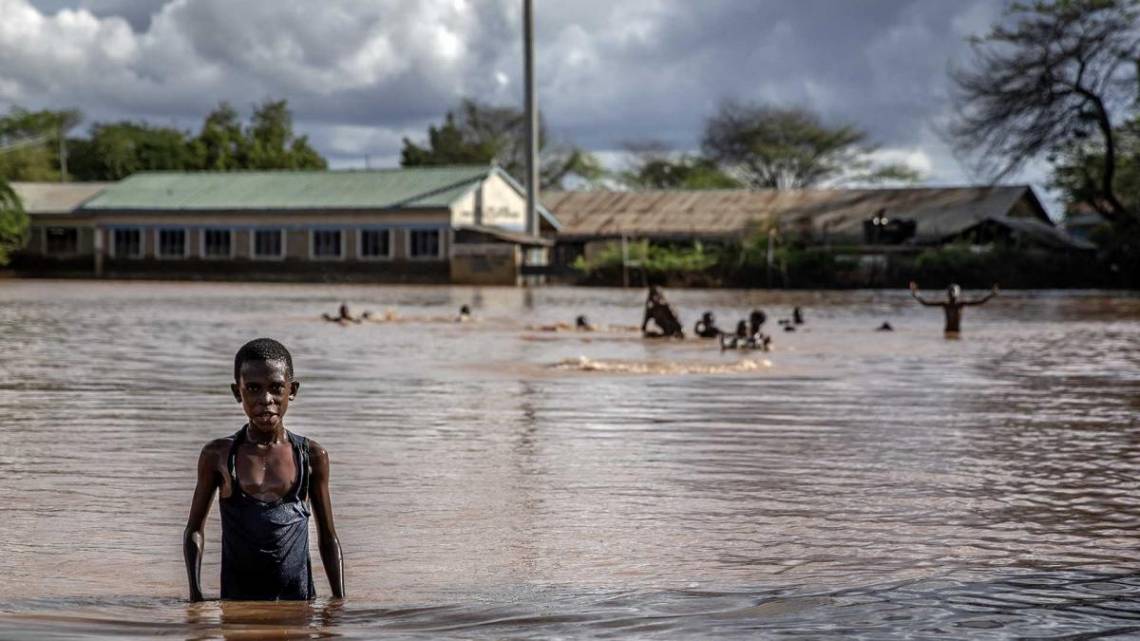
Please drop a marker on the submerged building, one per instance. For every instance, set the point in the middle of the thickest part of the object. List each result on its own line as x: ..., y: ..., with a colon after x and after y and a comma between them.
x: 445, y: 224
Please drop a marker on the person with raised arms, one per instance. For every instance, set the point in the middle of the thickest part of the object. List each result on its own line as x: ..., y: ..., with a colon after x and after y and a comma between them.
x: 953, y: 305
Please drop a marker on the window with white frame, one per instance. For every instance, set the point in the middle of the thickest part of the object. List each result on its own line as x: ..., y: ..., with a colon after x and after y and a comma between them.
x: 375, y: 243
x: 424, y: 243
x: 61, y: 241
x: 171, y: 243
x: 127, y: 243
x: 268, y: 243
x: 217, y: 243
x: 326, y: 243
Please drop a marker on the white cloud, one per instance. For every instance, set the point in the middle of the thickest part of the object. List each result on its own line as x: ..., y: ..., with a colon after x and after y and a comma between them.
x: 362, y: 74
x: 914, y: 158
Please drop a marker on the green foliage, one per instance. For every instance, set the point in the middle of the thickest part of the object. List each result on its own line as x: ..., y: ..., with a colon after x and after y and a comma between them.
x: 221, y: 145
x: 13, y: 222
x: 652, y: 258
x: 478, y: 134
x: 447, y: 145
x: 268, y: 142
x: 29, y: 143
x: 687, y: 172
x: 971, y: 268
x: 669, y: 264
x: 791, y: 148
x: 117, y: 150
x: 272, y: 143
x: 1078, y: 168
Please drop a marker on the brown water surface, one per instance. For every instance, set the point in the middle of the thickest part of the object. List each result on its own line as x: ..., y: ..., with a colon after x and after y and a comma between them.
x: 494, y: 481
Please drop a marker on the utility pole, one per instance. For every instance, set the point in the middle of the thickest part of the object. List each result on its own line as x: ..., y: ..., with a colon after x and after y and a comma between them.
x: 771, y: 256
x: 62, y: 154
x: 532, y: 226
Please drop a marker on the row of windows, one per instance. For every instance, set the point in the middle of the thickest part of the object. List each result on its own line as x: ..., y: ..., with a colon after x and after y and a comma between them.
x: 264, y: 243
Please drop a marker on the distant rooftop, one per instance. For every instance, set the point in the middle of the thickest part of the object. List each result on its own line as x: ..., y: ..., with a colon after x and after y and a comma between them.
x: 420, y: 187
x: 56, y: 198
x: 836, y: 214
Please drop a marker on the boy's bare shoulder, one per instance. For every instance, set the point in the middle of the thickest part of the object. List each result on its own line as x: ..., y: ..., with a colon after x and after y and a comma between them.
x: 316, y: 450
x: 217, y: 447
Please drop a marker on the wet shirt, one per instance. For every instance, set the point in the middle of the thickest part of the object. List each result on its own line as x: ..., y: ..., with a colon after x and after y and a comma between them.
x: 265, y: 545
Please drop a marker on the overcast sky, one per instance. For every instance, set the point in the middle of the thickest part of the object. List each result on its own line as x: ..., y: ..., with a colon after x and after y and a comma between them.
x: 362, y: 74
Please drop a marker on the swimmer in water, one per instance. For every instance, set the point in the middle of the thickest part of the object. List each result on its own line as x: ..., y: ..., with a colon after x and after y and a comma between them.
x: 885, y: 327
x: 268, y: 481
x: 581, y: 324
x: 658, y: 310
x: 743, y: 338
x: 706, y: 327
x: 464, y: 314
x: 756, y: 321
x: 343, y: 315
x: 737, y: 339
x: 953, y: 305
x: 757, y: 339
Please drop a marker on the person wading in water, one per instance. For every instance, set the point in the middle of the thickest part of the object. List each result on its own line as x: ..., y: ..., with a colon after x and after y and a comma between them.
x: 953, y: 305
x: 658, y: 310
x: 266, y: 477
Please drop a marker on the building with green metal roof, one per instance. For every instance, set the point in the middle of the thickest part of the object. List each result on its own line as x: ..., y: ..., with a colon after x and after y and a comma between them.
x: 427, y: 224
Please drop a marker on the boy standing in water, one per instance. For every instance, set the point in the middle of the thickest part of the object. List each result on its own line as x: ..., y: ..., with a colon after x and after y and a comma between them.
x: 953, y: 305
x: 265, y: 475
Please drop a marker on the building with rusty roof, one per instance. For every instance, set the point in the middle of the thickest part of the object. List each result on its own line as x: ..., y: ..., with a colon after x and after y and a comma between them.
x: 900, y: 217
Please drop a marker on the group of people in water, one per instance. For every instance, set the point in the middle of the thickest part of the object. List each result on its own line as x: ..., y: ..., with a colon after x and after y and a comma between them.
x: 660, y: 319
x: 345, y: 317
x: 748, y: 334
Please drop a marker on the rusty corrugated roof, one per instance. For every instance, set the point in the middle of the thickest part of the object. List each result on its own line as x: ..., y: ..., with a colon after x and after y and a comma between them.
x: 835, y: 215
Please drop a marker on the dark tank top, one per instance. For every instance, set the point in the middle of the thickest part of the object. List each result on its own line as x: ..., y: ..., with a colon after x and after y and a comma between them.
x: 265, y: 545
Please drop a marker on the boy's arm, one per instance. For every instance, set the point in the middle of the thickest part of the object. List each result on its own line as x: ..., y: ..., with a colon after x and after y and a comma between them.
x: 327, y: 540
x: 193, y: 539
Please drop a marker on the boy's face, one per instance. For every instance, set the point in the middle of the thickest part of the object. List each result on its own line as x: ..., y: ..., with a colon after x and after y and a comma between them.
x: 264, y: 391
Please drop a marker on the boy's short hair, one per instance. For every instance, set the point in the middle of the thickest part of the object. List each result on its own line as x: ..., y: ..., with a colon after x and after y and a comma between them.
x: 263, y: 349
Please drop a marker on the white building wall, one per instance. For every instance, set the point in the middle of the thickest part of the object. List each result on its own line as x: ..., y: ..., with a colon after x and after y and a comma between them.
x: 502, y: 205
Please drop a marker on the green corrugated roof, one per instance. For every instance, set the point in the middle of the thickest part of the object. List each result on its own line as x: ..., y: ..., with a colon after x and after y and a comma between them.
x: 376, y: 189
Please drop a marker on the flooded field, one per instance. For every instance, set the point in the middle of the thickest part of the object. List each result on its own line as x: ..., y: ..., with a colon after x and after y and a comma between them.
x: 493, y: 480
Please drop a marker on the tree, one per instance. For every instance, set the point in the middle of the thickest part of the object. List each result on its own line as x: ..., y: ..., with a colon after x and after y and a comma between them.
x: 13, y: 222
x: 770, y: 147
x: 1078, y: 169
x: 448, y: 145
x: 267, y: 143
x: 30, y: 143
x: 1048, y: 77
x: 117, y: 150
x: 654, y: 166
x: 476, y: 133
x: 1078, y: 172
x: 272, y: 143
x: 220, y: 145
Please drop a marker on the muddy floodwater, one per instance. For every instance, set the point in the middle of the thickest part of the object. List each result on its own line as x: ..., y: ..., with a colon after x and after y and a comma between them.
x: 493, y: 480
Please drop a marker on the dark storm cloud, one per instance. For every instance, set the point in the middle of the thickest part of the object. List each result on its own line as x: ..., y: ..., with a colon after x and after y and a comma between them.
x: 360, y: 74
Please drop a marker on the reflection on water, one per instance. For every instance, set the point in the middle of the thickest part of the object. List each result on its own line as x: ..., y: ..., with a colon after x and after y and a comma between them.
x: 493, y: 481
